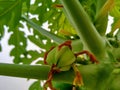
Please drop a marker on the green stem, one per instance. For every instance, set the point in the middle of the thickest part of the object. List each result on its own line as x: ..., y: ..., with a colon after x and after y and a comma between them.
x: 91, y: 74
x: 32, y: 72
x: 84, y: 27
x: 24, y: 71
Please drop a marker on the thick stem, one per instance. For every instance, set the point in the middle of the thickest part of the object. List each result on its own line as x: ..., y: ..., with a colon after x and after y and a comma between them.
x: 85, y: 28
x: 91, y: 74
x: 33, y: 72
x: 24, y: 71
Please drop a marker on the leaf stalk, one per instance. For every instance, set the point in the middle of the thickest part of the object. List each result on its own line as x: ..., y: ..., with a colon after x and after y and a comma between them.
x: 84, y: 27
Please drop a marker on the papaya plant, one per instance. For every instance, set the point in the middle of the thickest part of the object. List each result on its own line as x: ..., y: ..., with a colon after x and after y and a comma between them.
x: 83, y: 56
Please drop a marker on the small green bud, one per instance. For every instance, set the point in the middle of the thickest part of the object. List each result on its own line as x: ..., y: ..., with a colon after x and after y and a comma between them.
x: 62, y: 58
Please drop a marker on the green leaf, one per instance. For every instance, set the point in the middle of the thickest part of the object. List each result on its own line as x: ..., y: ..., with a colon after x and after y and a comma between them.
x: 101, y: 19
x: 115, y: 11
x: 0, y: 47
x: 118, y: 35
x: 115, y: 83
x: 47, y: 11
x: 10, y: 13
x: 1, y: 32
x: 37, y: 41
x: 30, y: 56
x: 41, y: 41
x: 19, y: 41
x: 27, y: 5
x: 115, y: 25
x: 90, y: 7
x: 116, y: 53
x: 35, y: 86
x: 8, y: 10
x: 62, y: 86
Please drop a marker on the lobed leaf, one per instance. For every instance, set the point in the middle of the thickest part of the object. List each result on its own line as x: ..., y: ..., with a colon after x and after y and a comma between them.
x: 30, y: 56
x: 8, y: 10
x: 10, y: 15
x: 41, y: 41
x: 47, y: 11
x: 19, y: 41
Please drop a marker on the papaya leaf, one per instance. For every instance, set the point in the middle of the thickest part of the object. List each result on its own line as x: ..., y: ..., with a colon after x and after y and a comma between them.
x: 8, y: 10
x: 101, y: 19
x: 35, y: 86
x: 115, y: 84
x: 118, y: 35
x: 21, y: 55
x: 41, y: 41
x: 8, y: 16
x: 48, y: 11
x: 90, y: 7
x: 115, y: 25
x: 19, y: 41
x: 30, y: 56
x: 115, y: 11
x: 0, y: 47
x: 62, y: 86
x: 116, y: 53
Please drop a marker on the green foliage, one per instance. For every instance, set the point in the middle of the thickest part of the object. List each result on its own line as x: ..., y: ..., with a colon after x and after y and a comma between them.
x: 90, y: 7
x: 47, y: 11
x: 36, y: 86
x: 115, y: 84
x: 8, y: 12
x: 18, y: 39
x: 115, y: 12
x: 8, y: 16
x: 62, y: 86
